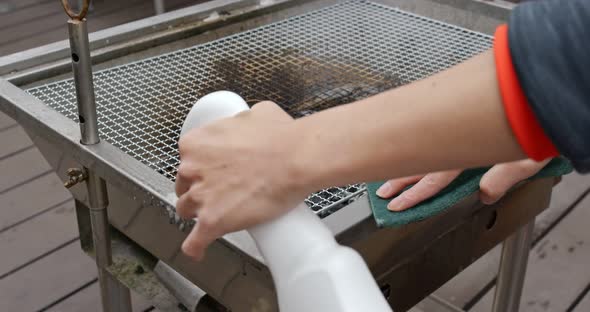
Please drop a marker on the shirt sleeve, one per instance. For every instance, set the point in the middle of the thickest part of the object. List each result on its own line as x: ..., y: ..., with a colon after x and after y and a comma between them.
x: 549, y: 47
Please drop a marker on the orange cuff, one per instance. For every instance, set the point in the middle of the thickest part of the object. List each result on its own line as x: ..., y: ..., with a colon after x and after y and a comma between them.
x: 525, y: 125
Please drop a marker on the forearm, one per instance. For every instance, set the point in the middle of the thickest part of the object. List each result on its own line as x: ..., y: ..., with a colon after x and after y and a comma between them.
x: 452, y: 119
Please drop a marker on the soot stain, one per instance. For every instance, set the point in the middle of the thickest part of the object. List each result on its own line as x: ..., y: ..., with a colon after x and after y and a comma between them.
x: 301, y: 84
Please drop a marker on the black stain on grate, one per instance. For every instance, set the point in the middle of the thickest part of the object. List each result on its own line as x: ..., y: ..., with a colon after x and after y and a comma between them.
x: 300, y: 83
x: 308, y: 63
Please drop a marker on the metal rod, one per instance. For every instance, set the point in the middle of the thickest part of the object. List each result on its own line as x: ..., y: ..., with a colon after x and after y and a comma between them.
x: 98, y: 202
x: 114, y: 296
x: 82, y: 67
x: 513, y: 264
x: 181, y: 288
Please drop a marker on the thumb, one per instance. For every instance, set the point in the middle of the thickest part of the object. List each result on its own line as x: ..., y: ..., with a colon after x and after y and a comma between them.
x: 270, y: 110
x: 197, y: 241
x: 502, y: 177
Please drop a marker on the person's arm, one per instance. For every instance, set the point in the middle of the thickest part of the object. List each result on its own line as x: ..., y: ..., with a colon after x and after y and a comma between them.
x: 542, y: 47
x: 249, y: 169
x: 533, y: 89
x: 454, y: 119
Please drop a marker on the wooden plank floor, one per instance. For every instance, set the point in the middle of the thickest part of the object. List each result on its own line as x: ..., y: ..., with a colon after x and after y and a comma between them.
x: 42, y: 267
x: 468, y: 289
x: 26, y: 24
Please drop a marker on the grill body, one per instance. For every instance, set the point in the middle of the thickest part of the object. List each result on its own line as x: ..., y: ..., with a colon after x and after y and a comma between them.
x: 310, y: 62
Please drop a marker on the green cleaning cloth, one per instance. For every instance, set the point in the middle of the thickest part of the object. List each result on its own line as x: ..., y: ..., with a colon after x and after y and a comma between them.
x: 464, y: 185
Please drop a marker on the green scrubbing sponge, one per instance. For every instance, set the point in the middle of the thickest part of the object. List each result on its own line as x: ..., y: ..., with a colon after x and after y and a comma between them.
x: 464, y: 185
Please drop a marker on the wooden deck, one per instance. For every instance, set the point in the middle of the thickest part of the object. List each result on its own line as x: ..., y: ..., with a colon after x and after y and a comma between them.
x: 42, y: 267
x: 26, y: 24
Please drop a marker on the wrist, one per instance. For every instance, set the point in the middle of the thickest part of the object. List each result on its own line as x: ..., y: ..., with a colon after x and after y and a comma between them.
x: 324, y: 150
x: 301, y: 162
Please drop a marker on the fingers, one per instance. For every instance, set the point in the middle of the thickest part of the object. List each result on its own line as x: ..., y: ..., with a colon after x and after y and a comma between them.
x: 187, y: 172
x: 395, y: 186
x: 201, y: 236
x: 502, y: 177
x: 427, y: 187
x: 271, y: 110
x: 182, y: 184
x: 198, y: 240
x: 189, y: 203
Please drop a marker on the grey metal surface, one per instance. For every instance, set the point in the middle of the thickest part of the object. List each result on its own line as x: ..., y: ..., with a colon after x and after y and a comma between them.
x: 82, y: 68
x: 115, y: 296
x: 512, y: 271
x: 307, y: 63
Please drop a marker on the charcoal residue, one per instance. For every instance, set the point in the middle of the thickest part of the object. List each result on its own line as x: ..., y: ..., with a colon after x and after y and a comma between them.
x: 301, y: 84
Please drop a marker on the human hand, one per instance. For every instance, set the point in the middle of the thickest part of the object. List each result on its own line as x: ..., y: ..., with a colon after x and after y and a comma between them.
x: 493, y: 185
x: 236, y: 173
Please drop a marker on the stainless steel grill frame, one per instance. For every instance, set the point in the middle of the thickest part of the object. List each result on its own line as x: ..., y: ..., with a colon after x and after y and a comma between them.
x: 306, y: 63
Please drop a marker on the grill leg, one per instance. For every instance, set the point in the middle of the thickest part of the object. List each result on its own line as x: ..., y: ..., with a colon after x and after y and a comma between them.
x: 115, y: 296
x: 515, y: 254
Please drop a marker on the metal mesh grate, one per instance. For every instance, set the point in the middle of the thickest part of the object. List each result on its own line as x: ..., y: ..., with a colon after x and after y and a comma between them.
x: 306, y: 63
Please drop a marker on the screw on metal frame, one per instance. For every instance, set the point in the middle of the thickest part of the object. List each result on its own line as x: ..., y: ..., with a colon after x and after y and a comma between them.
x: 75, y: 176
x: 73, y: 15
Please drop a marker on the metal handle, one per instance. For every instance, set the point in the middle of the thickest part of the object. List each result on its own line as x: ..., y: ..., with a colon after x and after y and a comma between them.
x: 73, y: 15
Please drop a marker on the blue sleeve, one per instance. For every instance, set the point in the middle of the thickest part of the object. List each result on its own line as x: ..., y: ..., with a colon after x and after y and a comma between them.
x: 550, y: 48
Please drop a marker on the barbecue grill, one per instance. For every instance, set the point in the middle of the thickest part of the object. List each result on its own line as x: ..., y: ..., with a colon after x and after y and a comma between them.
x: 305, y: 55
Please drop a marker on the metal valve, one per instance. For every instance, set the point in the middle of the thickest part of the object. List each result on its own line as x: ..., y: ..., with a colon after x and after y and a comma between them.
x: 75, y: 176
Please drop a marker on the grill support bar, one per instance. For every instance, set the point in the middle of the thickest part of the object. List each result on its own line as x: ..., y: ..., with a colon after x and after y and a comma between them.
x: 115, y: 297
x: 512, y: 271
x: 82, y: 67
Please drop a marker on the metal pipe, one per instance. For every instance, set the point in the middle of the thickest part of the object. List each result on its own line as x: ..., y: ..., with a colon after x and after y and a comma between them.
x: 98, y: 202
x: 82, y: 67
x: 181, y: 288
x: 512, y: 271
x: 114, y: 296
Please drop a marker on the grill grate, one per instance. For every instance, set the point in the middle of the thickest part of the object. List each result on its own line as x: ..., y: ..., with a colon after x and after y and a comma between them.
x: 306, y: 63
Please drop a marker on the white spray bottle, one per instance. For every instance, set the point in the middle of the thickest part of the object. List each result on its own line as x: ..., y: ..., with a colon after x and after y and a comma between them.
x: 311, y: 271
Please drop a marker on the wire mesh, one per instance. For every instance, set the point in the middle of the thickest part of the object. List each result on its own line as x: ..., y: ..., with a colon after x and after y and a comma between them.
x: 306, y: 63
